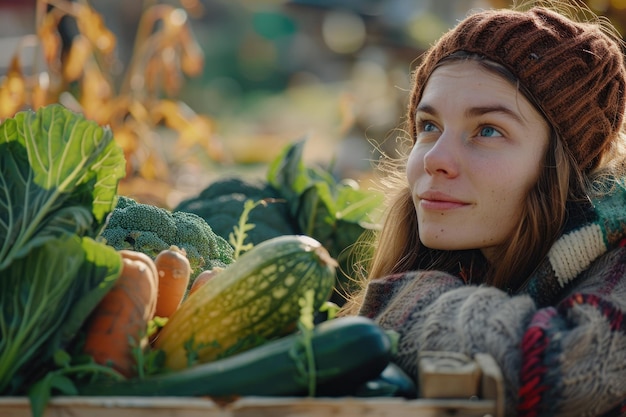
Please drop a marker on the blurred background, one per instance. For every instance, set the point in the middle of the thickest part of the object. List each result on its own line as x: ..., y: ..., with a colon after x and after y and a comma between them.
x: 228, y: 83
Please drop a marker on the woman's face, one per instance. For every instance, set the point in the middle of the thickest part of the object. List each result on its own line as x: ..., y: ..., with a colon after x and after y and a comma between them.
x: 479, y: 150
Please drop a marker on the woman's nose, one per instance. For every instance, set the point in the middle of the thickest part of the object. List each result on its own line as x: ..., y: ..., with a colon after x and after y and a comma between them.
x: 442, y: 157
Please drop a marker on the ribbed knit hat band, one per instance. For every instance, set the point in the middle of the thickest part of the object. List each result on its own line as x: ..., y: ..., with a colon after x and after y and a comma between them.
x: 574, y: 71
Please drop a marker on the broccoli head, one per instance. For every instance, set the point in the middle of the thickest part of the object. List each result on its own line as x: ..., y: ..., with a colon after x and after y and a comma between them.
x: 150, y: 229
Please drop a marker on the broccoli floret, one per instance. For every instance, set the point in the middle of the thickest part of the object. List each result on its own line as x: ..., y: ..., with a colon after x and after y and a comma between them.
x: 200, y: 235
x: 150, y: 229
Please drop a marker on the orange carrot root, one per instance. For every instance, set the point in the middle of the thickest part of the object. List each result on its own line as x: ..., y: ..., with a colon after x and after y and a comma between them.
x: 120, y: 320
x: 203, y: 277
x: 174, y: 273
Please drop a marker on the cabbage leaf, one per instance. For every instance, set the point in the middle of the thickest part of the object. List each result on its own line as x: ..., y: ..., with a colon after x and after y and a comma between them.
x: 59, y: 174
x: 46, y: 296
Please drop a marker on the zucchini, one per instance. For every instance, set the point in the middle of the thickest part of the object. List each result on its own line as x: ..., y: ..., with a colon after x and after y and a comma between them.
x: 348, y: 351
x: 253, y: 300
x: 392, y: 382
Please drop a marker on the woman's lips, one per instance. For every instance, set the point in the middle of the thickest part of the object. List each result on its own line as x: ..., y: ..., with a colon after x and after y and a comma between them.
x: 432, y: 200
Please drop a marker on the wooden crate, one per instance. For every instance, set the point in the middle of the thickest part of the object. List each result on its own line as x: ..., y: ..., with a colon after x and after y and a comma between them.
x: 249, y: 407
x: 478, y: 392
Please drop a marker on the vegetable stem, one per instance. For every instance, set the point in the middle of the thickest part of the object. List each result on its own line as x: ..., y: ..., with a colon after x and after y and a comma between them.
x: 306, y: 325
x: 239, y: 234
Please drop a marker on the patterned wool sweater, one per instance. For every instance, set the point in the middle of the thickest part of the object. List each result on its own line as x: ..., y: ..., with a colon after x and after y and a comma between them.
x: 560, y: 342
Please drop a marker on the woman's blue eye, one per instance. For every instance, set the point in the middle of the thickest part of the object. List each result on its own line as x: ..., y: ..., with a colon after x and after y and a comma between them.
x: 428, y: 127
x: 489, y: 131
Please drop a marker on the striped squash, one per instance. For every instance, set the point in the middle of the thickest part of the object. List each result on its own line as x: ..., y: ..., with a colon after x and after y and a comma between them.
x: 253, y: 300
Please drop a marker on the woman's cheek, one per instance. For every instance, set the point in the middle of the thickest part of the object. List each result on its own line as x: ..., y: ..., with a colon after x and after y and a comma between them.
x: 414, y: 166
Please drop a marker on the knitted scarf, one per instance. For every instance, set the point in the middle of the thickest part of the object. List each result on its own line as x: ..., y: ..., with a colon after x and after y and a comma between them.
x: 592, y: 229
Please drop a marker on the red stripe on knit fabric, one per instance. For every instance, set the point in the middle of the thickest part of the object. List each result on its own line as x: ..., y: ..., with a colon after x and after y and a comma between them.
x: 534, y: 345
x: 532, y: 385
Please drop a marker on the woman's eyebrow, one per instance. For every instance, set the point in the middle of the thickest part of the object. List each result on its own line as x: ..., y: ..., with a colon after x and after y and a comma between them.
x: 482, y: 110
x: 475, y: 111
x: 426, y: 108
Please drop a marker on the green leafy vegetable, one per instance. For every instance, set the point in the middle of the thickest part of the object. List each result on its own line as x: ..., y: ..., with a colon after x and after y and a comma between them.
x: 336, y: 213
x: 58, y: 381
x: 58, y: 174
x: 323, y: 206
x: 58, y: 179
x: 38, y: 313
x: 222, y: 202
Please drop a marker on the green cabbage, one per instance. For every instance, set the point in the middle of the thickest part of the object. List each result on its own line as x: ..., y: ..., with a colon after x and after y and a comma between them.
x: 58, y: 182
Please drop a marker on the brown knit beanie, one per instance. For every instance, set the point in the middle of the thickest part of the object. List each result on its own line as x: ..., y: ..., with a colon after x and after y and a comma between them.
x: 574, y: 71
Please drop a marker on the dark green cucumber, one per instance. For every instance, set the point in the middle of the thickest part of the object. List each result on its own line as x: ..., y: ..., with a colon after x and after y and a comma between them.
x: 348, y: 351
x: 392, y: 382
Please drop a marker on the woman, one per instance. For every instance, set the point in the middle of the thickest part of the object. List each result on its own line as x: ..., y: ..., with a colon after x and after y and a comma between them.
x: 505, y: 235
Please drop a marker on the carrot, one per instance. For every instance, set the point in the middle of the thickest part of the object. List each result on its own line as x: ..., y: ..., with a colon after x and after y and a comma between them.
x: 174, y: 273
x: 119, y: 322
x: 203, y: 277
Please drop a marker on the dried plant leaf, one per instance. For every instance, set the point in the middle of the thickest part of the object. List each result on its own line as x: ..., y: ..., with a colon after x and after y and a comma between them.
x: 91, y: 24
x: 172, y: 77
x: 49, y: 37
x: 77, y: 57
x: 164, y: 54
x: 140, y: 113
x: 192, y: 59
x: 96, y: 92
x: 118, y: 109
x: 152, y: 75
x: 41, y: 91
x: 196, y: 131
x: 154, y: 167
x: 174, y: 23
x: 8, y: 106
x: 12, y: 89
x: 172, y: 114
x: 127, y: 138
x: 199, y: 132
